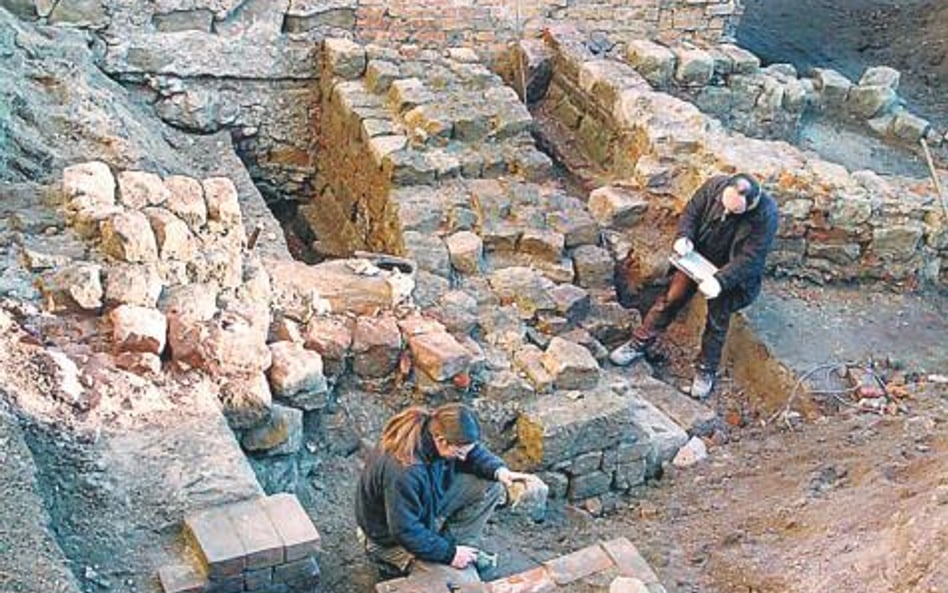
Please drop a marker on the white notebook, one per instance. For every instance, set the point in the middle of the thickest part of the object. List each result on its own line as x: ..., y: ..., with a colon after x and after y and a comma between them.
x: 694, y: 265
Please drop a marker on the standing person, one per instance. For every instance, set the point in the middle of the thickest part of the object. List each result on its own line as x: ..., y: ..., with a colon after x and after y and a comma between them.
x: 732, y: 224
x: 428, y: 489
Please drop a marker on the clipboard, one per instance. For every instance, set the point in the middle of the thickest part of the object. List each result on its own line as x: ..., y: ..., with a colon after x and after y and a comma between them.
x: 694, y: 265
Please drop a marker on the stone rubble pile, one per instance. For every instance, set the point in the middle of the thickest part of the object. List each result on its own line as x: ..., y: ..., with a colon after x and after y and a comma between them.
x: 836, y: 225
x: 727, y: 81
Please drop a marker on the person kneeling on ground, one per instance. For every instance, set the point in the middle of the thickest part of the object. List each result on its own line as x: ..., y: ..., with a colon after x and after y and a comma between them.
x: 428, y: 489
x: 732, y: 223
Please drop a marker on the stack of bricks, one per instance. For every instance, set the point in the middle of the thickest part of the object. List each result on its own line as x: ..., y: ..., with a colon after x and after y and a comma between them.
x: 262, y: 545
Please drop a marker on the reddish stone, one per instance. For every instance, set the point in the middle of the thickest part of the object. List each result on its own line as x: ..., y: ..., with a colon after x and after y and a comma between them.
x: 579, y: 564
x: 629, y: 561
x: 535, y: 580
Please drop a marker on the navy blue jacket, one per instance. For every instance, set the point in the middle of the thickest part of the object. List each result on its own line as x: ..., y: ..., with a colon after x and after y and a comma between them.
x: 397, y: 505
x: 737, y: 243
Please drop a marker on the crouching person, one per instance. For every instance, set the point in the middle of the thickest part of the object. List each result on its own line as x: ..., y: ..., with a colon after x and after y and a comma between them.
x: 427, y: 491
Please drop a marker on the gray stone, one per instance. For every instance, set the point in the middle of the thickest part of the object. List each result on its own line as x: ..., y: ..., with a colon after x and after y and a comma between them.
x: 662, y: 435
x: 379, y: 75
x: 408, y: 93
x: 586, y: 486
x: 80, y: 13
x: 881, y: 76
x: 75, y: 287
x: 849, y: 212
x: 429, y: 252
x: 594, y: 267
x: 457, y: 310
x: 695, y: 66
x: 554, y: 428
x: 909, y: 127
x: 532, y: 63
x: 542, y: 243
x: 570, y: 365
x: 529, y: 361
x: 616, y: 207
x: 280, y: 434
x: 232, y: 345
x: 345, y: 59
x: 833, y: 87
x: 898, y: 242
x: 653, y: 61
x: 246, y: 401
x: 870, y: 101
x: 586, y: 463
x: 744, y: 62
x: 571, y: 301
x: 529, y: 497
x: 716, y: 100
x: 465, y: 250
x: 525, y: 287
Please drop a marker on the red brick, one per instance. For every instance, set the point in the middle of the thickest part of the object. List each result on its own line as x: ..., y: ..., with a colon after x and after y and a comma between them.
x: 299, y: 536
x: 535, y: 580
x: 216, y: 543
x: 630, y: 562
x: 566, y: 569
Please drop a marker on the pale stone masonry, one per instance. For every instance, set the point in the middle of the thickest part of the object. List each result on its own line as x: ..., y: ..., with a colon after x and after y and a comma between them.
x: 258, y: 545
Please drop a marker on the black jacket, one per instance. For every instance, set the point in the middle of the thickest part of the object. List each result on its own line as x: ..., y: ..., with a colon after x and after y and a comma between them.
x: 737, y: 243
x: 397, y: 505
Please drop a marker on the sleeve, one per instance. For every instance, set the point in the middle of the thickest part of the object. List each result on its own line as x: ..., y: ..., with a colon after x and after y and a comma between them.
x: 481, y: 462
x: 688, y: 223
x: 750, y: 259
x: 404, y: 510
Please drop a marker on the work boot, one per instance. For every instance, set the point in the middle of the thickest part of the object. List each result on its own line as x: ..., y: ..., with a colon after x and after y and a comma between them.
x: 702, y: 384
x: 626, y: 354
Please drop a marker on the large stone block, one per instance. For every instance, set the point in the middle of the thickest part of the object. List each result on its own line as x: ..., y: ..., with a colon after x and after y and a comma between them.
x: 128, y: 237
x: 897, y: 242
x: 246, y: 400
x: 869, y: 101
x: 231, y: 345
x: 88, y: 185
x: 695, y: 66
x: 187, y: 309
x: 379, y: 75
x: 465, y: 250
x: 331, y: 337
x: 616, y: 207
x: 542, y: 243
x: 572, y: 567
x: 833, y: 87
x: 525, y: 287
x: 429, y: 252
x: 439, y: 355
x: 570, y: 365
x: 220, y: 196
x: 344, y: 58
x: 554, y: 428
x: 744, y: 62
x: 280, y: 434
x: 132, y: 284
x: 77, y: 286
x: 653, y: 61
x: 173, y: 237
x: 594, y: 267
x: 186, y: 200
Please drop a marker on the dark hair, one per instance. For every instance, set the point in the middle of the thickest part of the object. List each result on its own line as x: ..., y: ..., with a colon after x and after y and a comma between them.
x: 403, y: 433
x: 753, y: 194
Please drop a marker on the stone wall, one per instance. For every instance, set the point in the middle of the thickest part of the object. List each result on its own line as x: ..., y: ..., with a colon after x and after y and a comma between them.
x: 727, y: 82
x: 489, y: 25
x: 836, y: 224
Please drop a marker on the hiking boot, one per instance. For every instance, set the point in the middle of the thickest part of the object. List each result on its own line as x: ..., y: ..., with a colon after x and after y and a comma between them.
x: 626, y: 354
x: 702, y: 384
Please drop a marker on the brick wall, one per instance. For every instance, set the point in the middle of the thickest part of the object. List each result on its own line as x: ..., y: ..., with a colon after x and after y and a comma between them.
x: 489, y: 25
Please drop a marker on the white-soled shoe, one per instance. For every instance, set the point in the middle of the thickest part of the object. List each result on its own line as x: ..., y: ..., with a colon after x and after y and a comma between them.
x: 702, y: 384
x: 626, y: 354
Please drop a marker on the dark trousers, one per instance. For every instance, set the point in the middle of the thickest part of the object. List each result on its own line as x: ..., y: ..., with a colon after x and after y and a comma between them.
x: 463, y: 515
x: 667, y: 307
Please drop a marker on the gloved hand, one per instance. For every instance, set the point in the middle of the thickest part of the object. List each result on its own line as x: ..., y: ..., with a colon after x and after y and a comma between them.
x: 683, y: 246
x: 710, y: 287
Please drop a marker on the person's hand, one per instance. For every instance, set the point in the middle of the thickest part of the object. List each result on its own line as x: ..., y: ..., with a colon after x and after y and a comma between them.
x: 710, y: 287
x: 464, y: 557
x: 683, y: 246
x: 507, y: 477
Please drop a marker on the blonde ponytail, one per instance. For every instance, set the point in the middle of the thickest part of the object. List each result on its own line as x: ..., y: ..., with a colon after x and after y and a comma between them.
x: 402, y: 435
